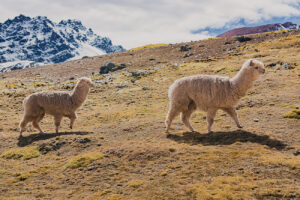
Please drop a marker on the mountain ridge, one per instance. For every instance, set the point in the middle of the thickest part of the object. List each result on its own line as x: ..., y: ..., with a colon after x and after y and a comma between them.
x: 259, y: 29
x: 40, y: 40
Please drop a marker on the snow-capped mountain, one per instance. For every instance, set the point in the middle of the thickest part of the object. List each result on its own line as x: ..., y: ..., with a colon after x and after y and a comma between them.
x: 27, y: 42
x: 259, y: 29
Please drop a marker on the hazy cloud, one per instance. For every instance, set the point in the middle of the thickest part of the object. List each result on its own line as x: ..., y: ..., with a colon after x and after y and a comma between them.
x: 138, y: 22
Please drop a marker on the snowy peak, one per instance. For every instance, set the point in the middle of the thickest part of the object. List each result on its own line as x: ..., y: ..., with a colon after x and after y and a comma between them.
x: 40, y: 40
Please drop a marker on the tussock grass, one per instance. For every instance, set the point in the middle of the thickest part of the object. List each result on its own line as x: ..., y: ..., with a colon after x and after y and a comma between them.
x: 84, y: 160
x: 22, y: 176
x: 135, y: 183
x: 295, y: 113
x: 147, y: 46
x: 25, y: 153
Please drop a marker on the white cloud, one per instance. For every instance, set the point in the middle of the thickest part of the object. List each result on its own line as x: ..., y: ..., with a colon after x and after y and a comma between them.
x: 137, y: 22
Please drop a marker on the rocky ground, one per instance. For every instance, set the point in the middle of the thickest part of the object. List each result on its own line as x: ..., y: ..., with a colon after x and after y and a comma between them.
x: 118, y: 148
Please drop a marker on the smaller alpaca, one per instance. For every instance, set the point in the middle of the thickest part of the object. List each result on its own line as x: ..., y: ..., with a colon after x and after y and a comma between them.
x: 57, y: 103
x: 210, y: 93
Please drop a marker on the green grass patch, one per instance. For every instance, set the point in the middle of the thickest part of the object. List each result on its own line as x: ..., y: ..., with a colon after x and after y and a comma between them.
x: 84, y: 159
x: 25, y: 153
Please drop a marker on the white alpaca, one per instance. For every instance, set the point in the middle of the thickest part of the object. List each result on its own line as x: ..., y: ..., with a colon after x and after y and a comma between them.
x: 57, y: 103
x: 210, y: 93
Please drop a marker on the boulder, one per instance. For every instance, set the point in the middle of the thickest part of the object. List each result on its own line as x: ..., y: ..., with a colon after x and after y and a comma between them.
x: 185, y: 48
x: 111, y: 67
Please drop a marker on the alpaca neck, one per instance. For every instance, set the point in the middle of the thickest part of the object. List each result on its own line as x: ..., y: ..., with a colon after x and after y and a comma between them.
x: 79, y: 95
x: 242, y: 81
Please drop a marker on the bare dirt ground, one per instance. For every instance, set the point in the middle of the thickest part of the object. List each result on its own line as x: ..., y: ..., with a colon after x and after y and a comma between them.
x: 118, y: 148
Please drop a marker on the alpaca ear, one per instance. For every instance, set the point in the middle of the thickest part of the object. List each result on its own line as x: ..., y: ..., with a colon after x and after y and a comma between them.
x: 251, y: 63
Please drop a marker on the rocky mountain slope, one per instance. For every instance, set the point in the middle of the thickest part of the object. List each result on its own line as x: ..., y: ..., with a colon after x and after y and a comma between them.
x: 27, y: 42
x: 259, y: 29
x: 118, y: 149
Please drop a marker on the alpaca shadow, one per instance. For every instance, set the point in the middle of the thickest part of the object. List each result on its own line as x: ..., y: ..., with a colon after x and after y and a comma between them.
x: 226, y: 138
x: 26, y: 140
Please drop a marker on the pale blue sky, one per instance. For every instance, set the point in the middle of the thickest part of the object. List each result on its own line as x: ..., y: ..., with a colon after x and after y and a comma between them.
x: 133, y: 23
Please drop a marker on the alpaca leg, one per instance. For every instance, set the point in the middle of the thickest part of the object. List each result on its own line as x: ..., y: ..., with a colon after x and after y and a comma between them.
x: 26, y: 119
x: 185, y: 115
x: 57, y: 120
x: 211, y: 113
x: 233, y: 114
x: 173, y: 112
x: 72, y: 117
x: 35, y: 122
x: 36, y: 125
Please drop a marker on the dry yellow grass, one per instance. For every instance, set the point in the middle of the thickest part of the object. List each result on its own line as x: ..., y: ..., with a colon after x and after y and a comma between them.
x: 127, y: 125
x: 147, y: 46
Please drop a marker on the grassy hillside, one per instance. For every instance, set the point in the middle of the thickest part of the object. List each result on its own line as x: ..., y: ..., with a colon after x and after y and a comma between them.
x: 118, y: 148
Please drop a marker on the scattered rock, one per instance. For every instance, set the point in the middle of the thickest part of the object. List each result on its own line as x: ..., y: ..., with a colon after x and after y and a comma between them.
x: 187, y: 55
x: 285, y: 66
x: 296, y: 153
x: 111, y: 67
x: 129, y: 102
x: 71, y: 78
x: 53, y: 146
x: 140, y: 73
x: 151, y: 59
x: 227, y: 42
x: 256, y: 120
x: 122, y: 85
x: 201, y: 45
x: 282, y: 65
x: 185, y: 48
x: 84, y: 140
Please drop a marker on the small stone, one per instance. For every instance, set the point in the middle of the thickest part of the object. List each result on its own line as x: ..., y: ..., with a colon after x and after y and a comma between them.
x: 285, y: 66
x: 130, y: 102
x: 84, y: 140
x: 296, y: 153
x: 187, y: 55
x: 256, y: 120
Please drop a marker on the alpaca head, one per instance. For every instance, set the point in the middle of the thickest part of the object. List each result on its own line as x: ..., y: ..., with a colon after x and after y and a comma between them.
x: 85, y: 82
x: 254, y: 67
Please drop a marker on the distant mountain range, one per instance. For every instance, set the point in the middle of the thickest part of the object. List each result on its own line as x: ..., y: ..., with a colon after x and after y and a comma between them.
x: 28, y: 42
x: 259, y: 29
